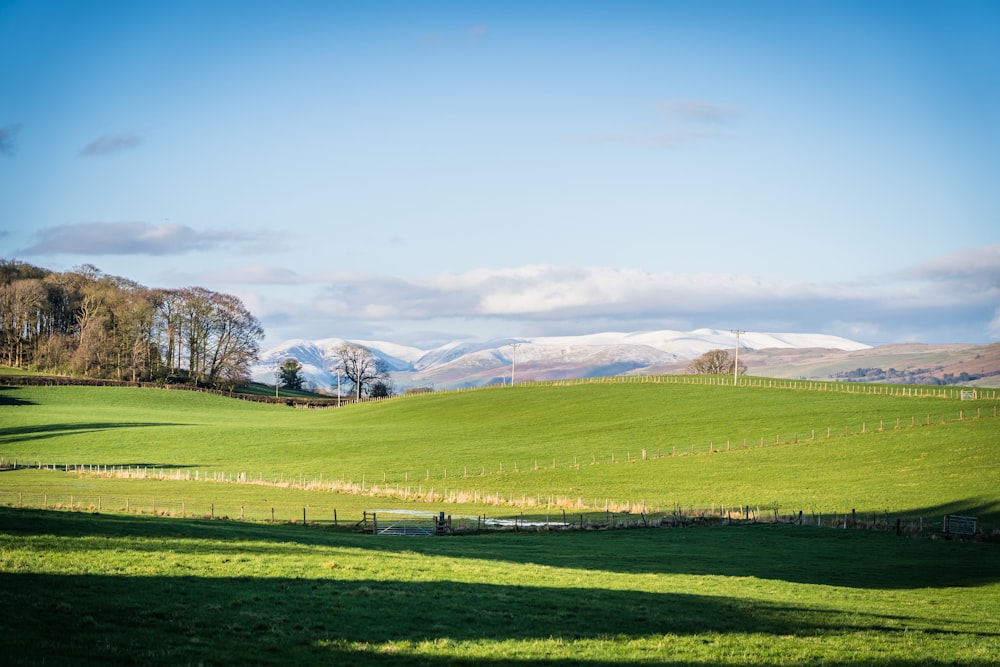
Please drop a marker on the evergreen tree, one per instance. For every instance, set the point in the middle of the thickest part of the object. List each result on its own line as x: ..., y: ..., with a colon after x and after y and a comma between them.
x: 290, y: 374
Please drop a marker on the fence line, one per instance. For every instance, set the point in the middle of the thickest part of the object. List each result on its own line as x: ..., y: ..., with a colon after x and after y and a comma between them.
x: 292, y: 401
x: 553, y: 519
x: 916, y: 391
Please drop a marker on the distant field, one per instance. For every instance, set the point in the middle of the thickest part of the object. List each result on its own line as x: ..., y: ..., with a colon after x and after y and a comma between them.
x: 538, y: 448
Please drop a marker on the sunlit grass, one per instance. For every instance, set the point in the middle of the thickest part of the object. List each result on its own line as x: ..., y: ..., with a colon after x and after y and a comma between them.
x: 542, y: 450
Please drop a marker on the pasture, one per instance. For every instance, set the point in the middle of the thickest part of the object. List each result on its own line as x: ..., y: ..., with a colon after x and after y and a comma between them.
x: 110, y: 586
x: 535, y: 449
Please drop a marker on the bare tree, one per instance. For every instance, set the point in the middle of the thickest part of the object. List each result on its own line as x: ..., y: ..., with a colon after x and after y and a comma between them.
x: 361, y: 368
x: 22, y: 305
x: 234, y: 337
x: 106, y: 326
x: 715, y: 362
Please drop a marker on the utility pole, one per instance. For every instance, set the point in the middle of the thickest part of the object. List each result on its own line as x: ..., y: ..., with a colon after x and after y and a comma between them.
x: 513, y: 360
x: 736, y: 362
x: 338, y: 386
x: 276, y: 379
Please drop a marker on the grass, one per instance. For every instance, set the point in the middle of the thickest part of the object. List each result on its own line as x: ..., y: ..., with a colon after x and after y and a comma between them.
x: 88, y: 588
x: 95, y: 589
x: 535, y: 449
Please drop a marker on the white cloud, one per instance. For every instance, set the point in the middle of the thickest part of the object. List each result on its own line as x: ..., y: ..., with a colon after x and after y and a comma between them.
x: 933, y: 301
x: 543, y: 292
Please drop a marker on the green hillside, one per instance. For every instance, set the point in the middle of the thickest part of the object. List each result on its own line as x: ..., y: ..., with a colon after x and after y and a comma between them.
x: 586, y: 447
x: 103, y: 587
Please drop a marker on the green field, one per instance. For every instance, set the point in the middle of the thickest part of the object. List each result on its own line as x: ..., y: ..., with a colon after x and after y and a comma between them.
x: 649, y: 447
x: 110, y: 586
x: 100, y: 590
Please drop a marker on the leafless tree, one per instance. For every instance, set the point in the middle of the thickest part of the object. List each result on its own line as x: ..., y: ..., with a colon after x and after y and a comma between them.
x: 361, y: 368
x: 715, y: 362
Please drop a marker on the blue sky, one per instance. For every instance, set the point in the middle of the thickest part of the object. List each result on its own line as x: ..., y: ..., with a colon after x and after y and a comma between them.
x: 424, y: 172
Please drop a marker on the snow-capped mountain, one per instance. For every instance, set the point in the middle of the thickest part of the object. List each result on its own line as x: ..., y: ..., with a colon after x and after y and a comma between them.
x: 471, y: 364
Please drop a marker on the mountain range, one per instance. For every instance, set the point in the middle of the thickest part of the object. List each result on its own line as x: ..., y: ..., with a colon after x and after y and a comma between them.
x: 473, y: 364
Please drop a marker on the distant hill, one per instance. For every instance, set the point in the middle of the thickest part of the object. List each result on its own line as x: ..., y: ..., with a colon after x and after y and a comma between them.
x: 909, y: 363
x: 472, y: 364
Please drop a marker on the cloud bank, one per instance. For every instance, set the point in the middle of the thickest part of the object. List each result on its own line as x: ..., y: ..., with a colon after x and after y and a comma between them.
x: 954, y: 298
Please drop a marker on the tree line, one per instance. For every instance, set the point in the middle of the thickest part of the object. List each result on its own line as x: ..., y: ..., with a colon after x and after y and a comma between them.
x: 85, y: 322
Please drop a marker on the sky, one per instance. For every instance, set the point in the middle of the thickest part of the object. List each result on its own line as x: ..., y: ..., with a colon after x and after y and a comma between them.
x: 425, y: 172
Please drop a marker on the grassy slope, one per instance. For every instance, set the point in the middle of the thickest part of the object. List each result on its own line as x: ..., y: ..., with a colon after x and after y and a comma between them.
x: 104, y: 590
x: 125, y: 589
x: 569, y: 445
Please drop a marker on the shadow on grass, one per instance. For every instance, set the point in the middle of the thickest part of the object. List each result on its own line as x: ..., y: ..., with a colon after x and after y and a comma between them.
x: 187, y: 619
x: 986, y: 509
x: 797, y: 554
x: 7, y: 399
x: 44, y: 431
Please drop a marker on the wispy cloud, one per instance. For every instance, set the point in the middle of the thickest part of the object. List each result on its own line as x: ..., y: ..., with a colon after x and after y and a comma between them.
x: 131, y: 238
x: 979, y: 266
x: 254, y: 274
x: 697, y: 111
x: 111, y: 143
x: 8, y: 139
x: 682, y: 122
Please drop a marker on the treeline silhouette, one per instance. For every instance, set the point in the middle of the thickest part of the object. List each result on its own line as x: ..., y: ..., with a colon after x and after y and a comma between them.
x: 911, y: 376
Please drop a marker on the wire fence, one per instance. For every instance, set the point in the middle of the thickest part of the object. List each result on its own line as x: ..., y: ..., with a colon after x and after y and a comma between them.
x: 954, y: 392
x: 424, y: 522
